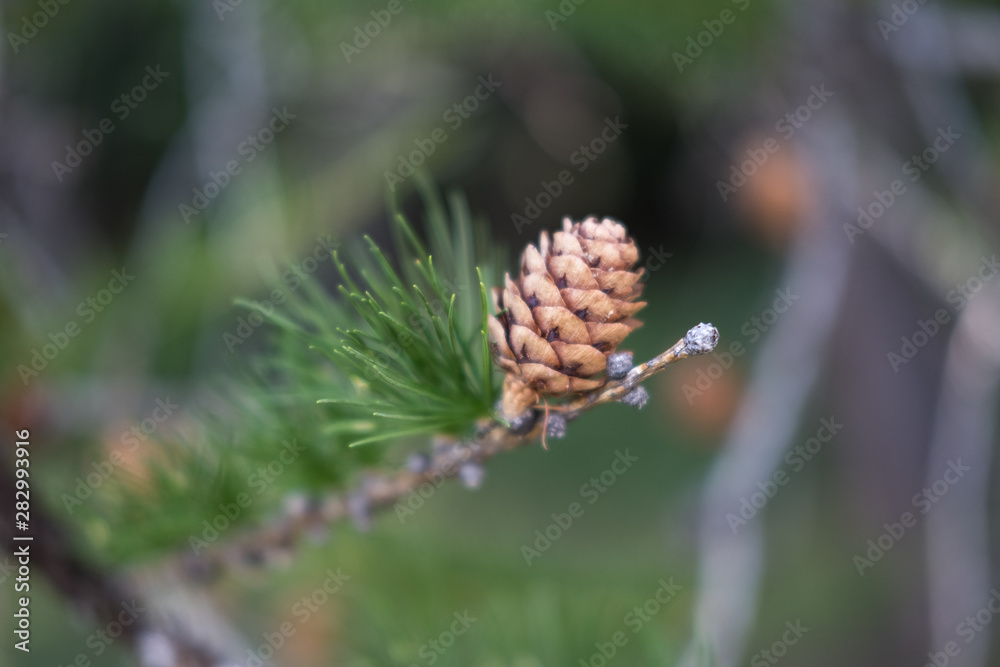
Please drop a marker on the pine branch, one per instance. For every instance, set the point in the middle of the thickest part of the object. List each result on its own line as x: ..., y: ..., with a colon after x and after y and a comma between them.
x: 301, y: 516
x: 401, y: 354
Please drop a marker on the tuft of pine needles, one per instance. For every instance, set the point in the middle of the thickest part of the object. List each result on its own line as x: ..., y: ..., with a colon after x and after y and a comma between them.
x: 421, y: 363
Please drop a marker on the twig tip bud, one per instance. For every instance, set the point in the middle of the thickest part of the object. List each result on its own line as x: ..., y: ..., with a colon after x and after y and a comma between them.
x: 556, y: 426
x: 360, y: 511
x: 619, y: 364
x: 637, y: 398
x: 418, y: 462
x: 524, y: 422
x: 471, y: 475
x: 701, y: 339
x: 297, y: 505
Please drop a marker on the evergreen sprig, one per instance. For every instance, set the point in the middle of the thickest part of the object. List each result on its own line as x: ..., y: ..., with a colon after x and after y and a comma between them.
x: 399, y: 350
x: 415, y: 352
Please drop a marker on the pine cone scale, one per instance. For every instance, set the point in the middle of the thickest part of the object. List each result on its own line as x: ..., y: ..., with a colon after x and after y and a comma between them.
x: 572, y: 270
x: 543, y: 288
x: 606, y: 336
x: 579, y: 360
x: 620, y: 284
x: 529, y: 346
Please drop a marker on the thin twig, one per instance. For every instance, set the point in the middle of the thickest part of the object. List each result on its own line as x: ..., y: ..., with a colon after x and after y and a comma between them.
x: 699, y: 340
x: 378, y: 492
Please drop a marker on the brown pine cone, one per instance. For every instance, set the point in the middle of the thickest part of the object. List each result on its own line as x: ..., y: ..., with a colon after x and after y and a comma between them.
x: 570, y: 309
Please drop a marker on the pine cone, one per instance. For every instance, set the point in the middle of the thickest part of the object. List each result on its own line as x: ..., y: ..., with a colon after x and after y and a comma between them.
x: 570, y: 309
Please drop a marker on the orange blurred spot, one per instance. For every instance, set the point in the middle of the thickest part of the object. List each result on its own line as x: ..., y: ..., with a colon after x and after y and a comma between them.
x: 774, y: 199
x: 701, y: 395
